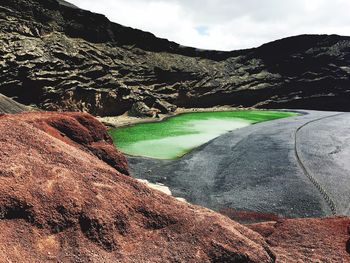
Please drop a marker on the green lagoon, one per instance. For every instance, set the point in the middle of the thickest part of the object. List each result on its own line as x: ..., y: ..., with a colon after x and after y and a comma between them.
x: 176, y: 136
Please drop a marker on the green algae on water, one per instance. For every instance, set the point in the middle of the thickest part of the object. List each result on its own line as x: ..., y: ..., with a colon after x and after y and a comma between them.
x: 176, y: 136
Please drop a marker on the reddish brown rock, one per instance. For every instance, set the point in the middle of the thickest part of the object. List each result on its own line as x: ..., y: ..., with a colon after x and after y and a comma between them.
x: 60, y: 203
x: 248, y: 217
x: 308, y: 240
x: 80, y: 130
x: 65, y: 197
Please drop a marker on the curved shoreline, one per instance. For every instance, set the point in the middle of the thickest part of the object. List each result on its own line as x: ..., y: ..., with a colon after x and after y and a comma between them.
x: 175, y: 136
x: 255, y: 168
x: 126, y: 120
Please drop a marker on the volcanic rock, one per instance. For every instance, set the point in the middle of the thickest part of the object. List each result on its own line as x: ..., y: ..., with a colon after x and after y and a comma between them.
x: 60, y: 57
x: 62, y: 200
x: 140, y: 109
x: 8, y: 105
x: 308, y: 240
x: 164, y: 107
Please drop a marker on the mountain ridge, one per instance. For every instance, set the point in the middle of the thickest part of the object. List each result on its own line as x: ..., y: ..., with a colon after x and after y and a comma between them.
x: 61, y: 57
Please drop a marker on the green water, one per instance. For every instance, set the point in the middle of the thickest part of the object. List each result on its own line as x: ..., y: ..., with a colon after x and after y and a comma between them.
x: 178, y: 135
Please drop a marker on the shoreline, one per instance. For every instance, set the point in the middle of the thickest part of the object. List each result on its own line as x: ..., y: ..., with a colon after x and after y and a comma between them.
x: 126, y: 120
x: 237, y: 155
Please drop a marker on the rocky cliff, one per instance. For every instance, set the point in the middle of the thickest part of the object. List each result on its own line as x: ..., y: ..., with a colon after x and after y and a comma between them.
x: 60, y: 57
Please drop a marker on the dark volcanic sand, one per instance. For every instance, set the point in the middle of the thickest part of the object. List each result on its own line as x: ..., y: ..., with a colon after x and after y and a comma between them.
x: 257, y: 168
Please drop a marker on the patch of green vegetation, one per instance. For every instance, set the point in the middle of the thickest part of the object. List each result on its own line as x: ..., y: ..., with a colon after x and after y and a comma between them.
x: 178, y: 135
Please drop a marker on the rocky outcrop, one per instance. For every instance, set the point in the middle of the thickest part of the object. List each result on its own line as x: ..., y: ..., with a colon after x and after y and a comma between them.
x: 82, y: 131
x: 60, y: 57
x: 61, y: 201
x: 8, y: 105
x: 140, y: 109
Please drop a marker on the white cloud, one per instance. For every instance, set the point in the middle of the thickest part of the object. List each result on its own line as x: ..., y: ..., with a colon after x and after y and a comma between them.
x: 226, y: 24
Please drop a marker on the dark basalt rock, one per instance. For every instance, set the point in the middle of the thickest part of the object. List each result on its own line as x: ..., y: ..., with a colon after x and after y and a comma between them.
x: 140, y: 109
x: 164, y: 106
x: 60, y: 57
x: 8, y: 105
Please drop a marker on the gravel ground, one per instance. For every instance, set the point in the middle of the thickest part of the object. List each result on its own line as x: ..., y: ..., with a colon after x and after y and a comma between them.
x: 293, y: 167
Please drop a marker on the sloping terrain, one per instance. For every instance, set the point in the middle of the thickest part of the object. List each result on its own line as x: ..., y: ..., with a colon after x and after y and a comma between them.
x: 308, y: 240
x: 8, y: 105
x: 292, y: 167
x: 58, y: 56
x: 60, y: 201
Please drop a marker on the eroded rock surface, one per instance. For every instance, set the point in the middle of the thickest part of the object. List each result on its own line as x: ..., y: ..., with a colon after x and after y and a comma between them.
x: 308, y: 240
x: 60, y: 57
x: 60, y: 200
x: 8, y: 105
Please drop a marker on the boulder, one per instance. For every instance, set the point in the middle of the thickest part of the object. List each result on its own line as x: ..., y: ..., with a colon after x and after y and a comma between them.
x: 141, y: 110
x: 164, y: 107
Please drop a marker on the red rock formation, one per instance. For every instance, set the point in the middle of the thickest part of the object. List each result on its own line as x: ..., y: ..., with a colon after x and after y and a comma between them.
x: 60, y: 202
x: 308, y: 240
x: 82, y: 131
x: 65, y: 197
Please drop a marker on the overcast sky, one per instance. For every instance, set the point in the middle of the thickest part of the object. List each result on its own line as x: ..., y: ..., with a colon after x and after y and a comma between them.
x: 226, y: 24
